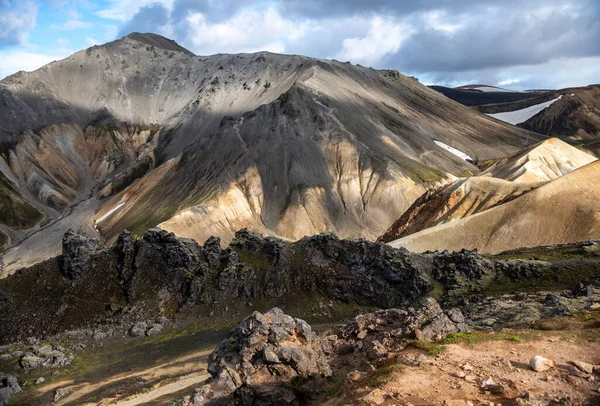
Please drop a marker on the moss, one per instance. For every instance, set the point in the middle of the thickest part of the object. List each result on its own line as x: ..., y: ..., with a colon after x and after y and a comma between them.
x: 429, y: 348
x: 476, y: 337
x: 421, y: 173
x: 14, y: 210
x: 465, y: 174
x: 382, y: 375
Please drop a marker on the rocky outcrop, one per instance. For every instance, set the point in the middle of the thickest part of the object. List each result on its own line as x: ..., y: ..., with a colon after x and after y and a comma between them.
x: 275, y: 359
x: 376, y: 334
x: 78, y: 252
x: 159, y: 275
x: 261, y: 358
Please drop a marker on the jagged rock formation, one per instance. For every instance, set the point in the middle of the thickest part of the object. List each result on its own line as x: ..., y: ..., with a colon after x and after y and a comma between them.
x: 261, y: 357
x: 161, y: 275
x: 273, y: 358
x: 286, y: 145
x: 563, y: 210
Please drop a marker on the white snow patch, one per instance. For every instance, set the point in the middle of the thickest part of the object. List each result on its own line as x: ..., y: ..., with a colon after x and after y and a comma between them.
x: 455, y: 151
x: 111, y: 211
x: 520, y: 116
x: 490, y: 89
x: 572, y: 94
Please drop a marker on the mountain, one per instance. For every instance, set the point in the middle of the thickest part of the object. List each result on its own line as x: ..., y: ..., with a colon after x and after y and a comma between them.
x: 500, y: 182
x: 461, y: 198
x: 563, y: 210
x: 545, y: 161
x: 140, y: 132
x: 473, y: 95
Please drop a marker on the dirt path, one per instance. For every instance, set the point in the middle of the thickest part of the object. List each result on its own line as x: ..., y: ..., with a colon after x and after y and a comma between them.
x: 182, y: 383
x: 188, y: 370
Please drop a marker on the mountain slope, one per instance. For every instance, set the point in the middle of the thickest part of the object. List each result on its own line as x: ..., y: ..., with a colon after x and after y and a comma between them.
x: 542, y: 162
x: 459, y: 199
x: 283, y: 144
x: 346, y: 149
x: 563, y: 210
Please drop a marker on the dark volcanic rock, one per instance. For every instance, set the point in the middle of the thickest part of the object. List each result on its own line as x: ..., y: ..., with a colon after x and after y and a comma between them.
x: 260, y: 359
x: 160, y: 275
x: 389, y: 330
x: 77, y: 254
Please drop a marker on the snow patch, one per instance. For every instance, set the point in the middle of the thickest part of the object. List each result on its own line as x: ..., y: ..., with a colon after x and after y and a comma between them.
x: 490, y: 89
x: 454, y: 151
x: 520, y: 116
x: 111, y: 211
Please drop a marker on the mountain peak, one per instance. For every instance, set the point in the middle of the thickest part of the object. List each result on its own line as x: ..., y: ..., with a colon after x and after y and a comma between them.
x: 158, y: 41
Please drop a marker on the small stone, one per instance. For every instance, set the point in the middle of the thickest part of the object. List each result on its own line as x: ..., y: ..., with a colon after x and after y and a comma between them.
x: 576, y: 372
x: 154, y: 330
x: 354, y: 376
x: 584, y: 366
x: 467, y: 367
x: 540, y: 363
x: 460, y: 374
x: 362, y: 335
x: 455, y: 402
x: 60, y: 393
x: 138, y: 330
x: 595, y: 306
x: 470, y: 378
x: 39, y: 381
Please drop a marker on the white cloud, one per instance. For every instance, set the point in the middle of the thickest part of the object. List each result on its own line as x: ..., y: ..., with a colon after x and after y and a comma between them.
x: 16, y: 21
x: 73, y: 23
x: 124, y: 10
x: 244, y: 32
x: 384, y: 37
x: 15, y: 61
x: 509, y: 82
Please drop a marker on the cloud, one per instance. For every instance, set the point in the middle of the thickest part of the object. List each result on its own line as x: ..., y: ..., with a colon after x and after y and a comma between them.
x: 123, y: 10
x: 73, y: 23
x: 384, y: 37
x: 17, y: 19
x: 152, y: 18
x: 507, y: 82
x: 443, y: 40
x: 14, y: 61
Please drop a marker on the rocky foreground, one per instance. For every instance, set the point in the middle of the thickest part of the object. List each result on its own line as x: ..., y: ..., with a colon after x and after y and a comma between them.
x: 152, y: 295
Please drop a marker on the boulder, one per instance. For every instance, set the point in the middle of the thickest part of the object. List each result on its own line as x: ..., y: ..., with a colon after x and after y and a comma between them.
x: 584, y: 366
x: 31, y: 362
x: 269, y: 358
x: 540, y: 363
x: 154, y: 329
x: 138, y: 330
x: 389, y: 330
x: 8, y: 386
x: 60, y: 393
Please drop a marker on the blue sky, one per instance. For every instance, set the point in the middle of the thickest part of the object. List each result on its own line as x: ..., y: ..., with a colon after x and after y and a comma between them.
x: 517, y: 44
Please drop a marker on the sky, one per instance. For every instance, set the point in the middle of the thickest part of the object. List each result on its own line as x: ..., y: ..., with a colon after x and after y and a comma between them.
x: 516, y: 44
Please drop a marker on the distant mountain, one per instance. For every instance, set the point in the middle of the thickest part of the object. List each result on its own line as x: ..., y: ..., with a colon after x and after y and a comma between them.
x: 140, y: 132
x: 500, y: 182
x: 563, y: 210
x: 473, y: 95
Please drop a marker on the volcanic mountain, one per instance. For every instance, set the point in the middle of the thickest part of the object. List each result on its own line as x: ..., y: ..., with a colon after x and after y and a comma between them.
x: 563, y: 210
x: 500, y: 182
x: 141, y: 132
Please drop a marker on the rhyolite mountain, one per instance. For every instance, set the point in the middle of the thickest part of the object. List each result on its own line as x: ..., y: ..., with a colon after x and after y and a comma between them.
x: 141, y: 132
